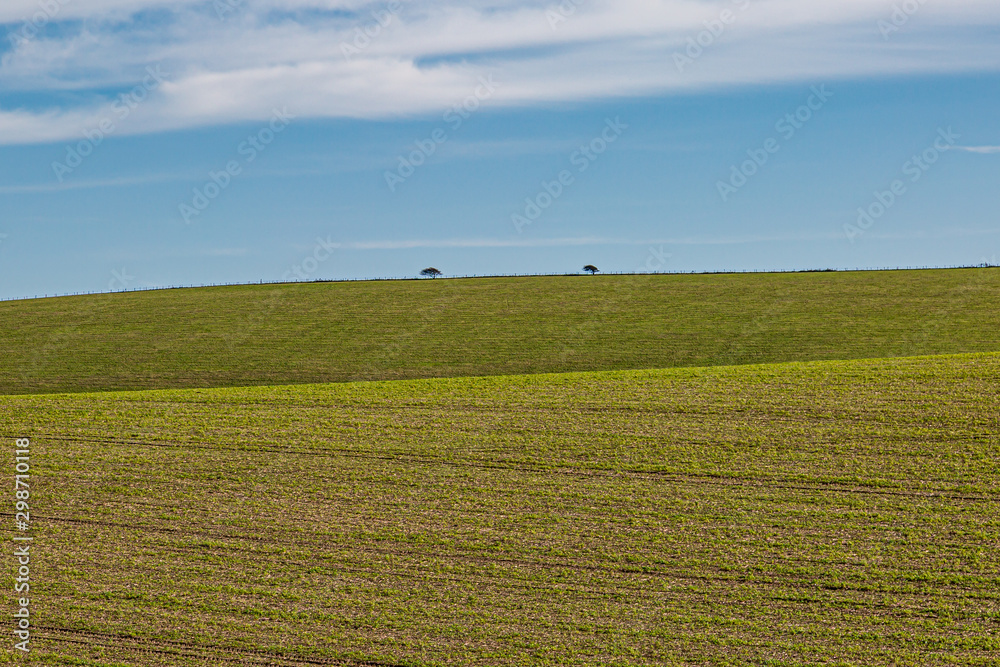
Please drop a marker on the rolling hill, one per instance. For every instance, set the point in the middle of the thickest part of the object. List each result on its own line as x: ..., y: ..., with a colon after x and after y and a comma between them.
x: 334, y: 332
x: 787, y: 514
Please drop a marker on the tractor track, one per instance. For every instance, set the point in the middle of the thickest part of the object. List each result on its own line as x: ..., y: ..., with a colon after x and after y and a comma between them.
x: 187, y: 649
x: 776, y: 483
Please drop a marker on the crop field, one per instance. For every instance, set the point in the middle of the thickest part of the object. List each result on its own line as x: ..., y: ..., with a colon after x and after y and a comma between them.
x: 336, y: 332
x: 831, y: 512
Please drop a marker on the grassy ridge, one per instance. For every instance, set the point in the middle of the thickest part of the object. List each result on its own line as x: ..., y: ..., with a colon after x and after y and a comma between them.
x: 833, y: 512
x: 330, y: 332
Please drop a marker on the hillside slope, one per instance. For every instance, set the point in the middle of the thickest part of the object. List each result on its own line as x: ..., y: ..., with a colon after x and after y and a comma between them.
x: 825, y: 513
x: 329, y: 332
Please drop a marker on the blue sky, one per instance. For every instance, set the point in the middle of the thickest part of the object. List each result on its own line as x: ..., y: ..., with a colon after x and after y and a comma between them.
x: 147, y: 143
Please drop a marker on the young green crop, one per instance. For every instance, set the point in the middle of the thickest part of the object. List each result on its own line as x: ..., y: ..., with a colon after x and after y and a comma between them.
x: 807, y: 513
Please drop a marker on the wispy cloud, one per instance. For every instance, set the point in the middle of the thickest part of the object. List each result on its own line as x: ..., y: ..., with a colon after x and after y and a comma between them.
x: 429, y: 55
x: 226, y: 252
x: 573, y: 241
x: 985, y: 150
x: 122, y: 182
x: 481, y: 243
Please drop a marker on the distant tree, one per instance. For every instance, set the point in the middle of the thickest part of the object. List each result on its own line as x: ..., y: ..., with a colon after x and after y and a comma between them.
x: 430, y: 272
x: 591, y: 269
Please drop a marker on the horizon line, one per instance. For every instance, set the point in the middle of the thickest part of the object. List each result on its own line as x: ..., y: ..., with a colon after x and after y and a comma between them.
x: 261, y: 283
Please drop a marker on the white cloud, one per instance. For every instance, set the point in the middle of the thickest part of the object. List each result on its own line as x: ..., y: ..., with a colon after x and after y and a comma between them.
x: 273, y: 53
x: 574, y: 241
x: 482, y: 243
x: 226, y: 252
x: 984, y: 150
x: 124, y: 182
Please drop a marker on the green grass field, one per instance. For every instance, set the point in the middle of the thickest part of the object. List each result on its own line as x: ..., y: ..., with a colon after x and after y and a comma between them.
x: 843, y: 513
x: 333, y: 332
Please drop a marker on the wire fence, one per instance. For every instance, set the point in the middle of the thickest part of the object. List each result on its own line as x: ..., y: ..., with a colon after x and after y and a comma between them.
x: 497, y: 275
